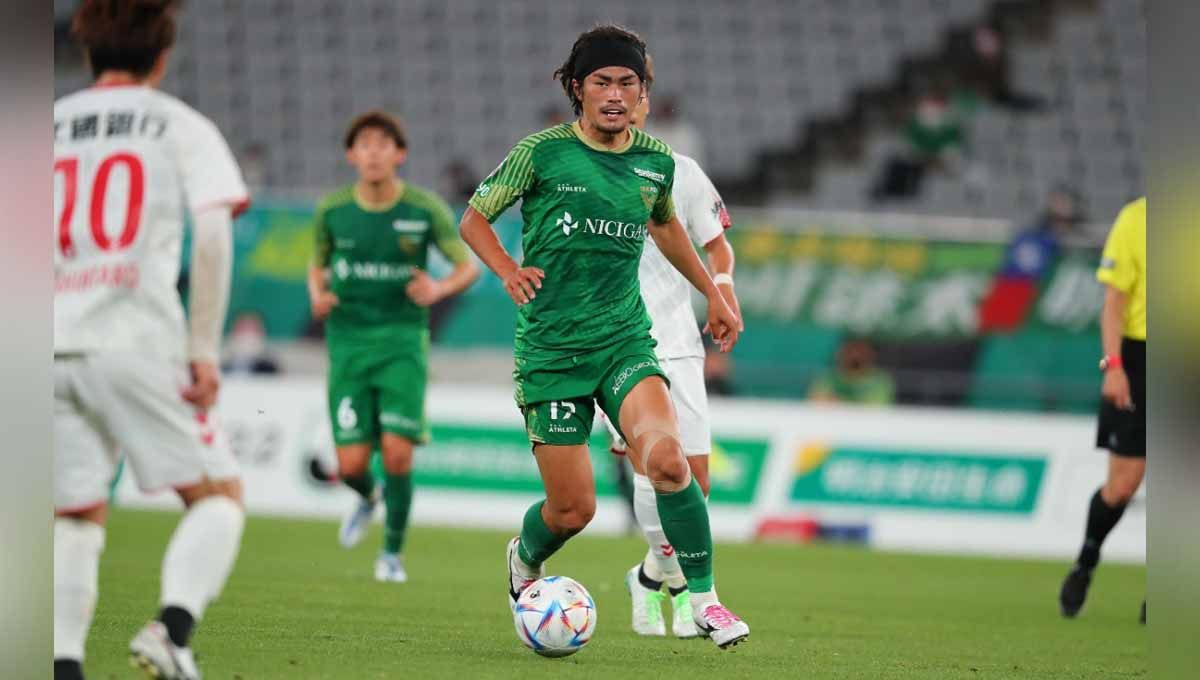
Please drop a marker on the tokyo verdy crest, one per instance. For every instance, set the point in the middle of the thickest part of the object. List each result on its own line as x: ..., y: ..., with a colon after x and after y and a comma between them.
x: 567, y: 223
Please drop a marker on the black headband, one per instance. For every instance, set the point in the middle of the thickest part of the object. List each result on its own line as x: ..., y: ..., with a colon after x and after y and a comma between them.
x: 599, y: 53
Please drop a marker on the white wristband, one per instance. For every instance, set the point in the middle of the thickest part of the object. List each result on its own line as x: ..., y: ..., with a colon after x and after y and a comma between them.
x: 722, y: 277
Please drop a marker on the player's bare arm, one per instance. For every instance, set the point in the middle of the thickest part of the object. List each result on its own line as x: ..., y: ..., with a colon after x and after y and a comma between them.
x: 671, y: 238
x: 211, y: 270
x: 320, y: 297
x: 521, y: 283
x: 427, y: 291
x: 1112, y: 319
x: 720, y: 266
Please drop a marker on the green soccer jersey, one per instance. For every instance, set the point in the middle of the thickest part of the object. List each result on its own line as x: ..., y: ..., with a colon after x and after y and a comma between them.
x: 371, y: 251
x: 585, y: 211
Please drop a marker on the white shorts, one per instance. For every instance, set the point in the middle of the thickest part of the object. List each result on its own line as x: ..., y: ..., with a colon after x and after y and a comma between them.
x: 691, y: 406
x: 108, y: 405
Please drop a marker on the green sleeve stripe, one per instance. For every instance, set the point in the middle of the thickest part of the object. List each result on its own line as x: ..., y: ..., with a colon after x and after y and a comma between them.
x: 664, y: 210
x: 322, y: 240
x: 441, y: 223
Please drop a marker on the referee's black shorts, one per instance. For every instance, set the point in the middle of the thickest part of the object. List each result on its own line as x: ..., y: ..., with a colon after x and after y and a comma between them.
x: 1124, y: 432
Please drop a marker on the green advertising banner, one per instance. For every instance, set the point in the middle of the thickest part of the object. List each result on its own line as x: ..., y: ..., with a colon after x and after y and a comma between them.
x: 885, y: 478
x: 496, y: 458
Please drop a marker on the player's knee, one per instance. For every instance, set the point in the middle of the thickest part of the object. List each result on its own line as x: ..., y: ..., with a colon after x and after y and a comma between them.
x: 1121, y: 490
x: 666, y: 467
x: 573, y: 517
x: 397, y: 455
x: 352, y: 466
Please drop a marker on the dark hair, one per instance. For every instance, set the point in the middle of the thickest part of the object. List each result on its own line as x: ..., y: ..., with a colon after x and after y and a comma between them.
x: 565, y: 73
x: 124, y: 35
x: 380, y: 120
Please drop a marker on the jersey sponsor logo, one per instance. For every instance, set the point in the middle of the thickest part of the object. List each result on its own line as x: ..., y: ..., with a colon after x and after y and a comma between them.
x: 722, y: 215
x: 371, y: 271
x: 567, y: 223
x: 571, y: 188
x: 601, y: 227
x: 410, y: 226
x: 650, y: 174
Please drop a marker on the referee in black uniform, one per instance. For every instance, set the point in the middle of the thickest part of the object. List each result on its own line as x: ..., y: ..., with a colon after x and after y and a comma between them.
x: 1122, y: 428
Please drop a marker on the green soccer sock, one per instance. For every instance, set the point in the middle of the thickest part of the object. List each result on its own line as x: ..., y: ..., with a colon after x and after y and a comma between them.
x: 363, y: 485
x: 397, y: 495
x: 684, y: 517
x: 537, y: 542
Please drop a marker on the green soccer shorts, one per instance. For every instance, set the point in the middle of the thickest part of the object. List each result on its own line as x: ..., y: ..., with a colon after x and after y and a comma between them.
x: 375, y: 389
x: 558, y: 392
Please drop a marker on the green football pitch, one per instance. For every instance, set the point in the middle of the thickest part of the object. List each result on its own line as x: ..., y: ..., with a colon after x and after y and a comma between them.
x: 299, y: 606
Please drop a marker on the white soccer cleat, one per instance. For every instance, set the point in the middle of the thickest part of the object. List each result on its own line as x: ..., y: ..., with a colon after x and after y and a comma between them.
x: 683, y: 624
x: 354, y: 524
x: 389, y: 568
x: 721, y: 626
x: 647, y: 605
x: 152, y: 651
x: 518, y: 582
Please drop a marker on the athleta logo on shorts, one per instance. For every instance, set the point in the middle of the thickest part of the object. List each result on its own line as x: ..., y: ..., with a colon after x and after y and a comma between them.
x: 648, y: 174
x: 628, y: 373
x: 602, y: 227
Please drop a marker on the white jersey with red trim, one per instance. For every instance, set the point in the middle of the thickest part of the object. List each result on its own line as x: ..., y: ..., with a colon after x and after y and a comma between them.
x: 128, y: 162
x: 667, y: 294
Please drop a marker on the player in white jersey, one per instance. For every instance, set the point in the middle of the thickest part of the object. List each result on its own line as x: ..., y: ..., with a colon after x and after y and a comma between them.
x: 132, y: 377
x: 680, y: 351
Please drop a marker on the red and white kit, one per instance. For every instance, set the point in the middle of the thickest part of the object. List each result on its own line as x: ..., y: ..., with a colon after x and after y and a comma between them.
x: 668, y: 298
x: 129, y: 163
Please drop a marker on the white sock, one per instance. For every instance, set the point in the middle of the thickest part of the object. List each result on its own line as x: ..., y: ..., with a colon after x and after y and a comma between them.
x: 660, y: 563
x: 77, y: 547
x: 702, y: 600
x: 201, y: 554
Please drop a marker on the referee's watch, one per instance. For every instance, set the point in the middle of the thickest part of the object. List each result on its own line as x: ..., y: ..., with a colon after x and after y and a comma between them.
x: 1109, y: 361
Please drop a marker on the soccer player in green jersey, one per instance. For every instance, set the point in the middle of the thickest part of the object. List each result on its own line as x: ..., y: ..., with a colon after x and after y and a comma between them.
x: 368, y: 280
x: 592, y: 191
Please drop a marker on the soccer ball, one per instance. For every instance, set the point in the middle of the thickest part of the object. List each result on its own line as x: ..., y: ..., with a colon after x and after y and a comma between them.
x: 555, y: 616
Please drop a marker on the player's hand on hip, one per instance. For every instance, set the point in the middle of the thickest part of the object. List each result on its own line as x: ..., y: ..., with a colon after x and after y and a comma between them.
x: 323, y: 304
x: 522, y: 284
x: 723, y: 324
x: 206, y: 381
x: 423, y: 289
x: 1116, y: 389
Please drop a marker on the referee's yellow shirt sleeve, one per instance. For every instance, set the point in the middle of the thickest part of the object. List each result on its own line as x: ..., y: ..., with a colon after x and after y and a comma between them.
x: 1117, y: 266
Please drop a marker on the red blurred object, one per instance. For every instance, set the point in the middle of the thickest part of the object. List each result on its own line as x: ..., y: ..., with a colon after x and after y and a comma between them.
x: 796, y: 529
x: 1006, y: 305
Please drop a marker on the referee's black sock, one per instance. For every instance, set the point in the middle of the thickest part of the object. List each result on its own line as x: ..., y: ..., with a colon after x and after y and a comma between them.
x: 1101, y: 519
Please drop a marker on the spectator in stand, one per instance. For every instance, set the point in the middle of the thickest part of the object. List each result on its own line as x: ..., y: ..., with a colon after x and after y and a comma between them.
x: 982, y: 57
x: 1028, y: 259
x: 246, y: 351
x: 935, y: 142
x: 855, y: 379
x: 667, y: 125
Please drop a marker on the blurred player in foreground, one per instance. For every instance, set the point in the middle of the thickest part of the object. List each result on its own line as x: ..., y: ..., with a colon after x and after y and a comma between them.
x: 130, y: 374
x: 592, y: 191
x: 368, y: 278
x: 1122, y: 427
x: 680, y: 352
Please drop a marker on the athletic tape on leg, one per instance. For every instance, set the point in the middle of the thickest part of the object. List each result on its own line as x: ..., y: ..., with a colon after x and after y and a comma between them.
x: 649, y: 434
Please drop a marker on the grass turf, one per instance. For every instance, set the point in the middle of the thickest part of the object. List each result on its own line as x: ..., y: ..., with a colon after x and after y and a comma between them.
x: 298, y: 606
